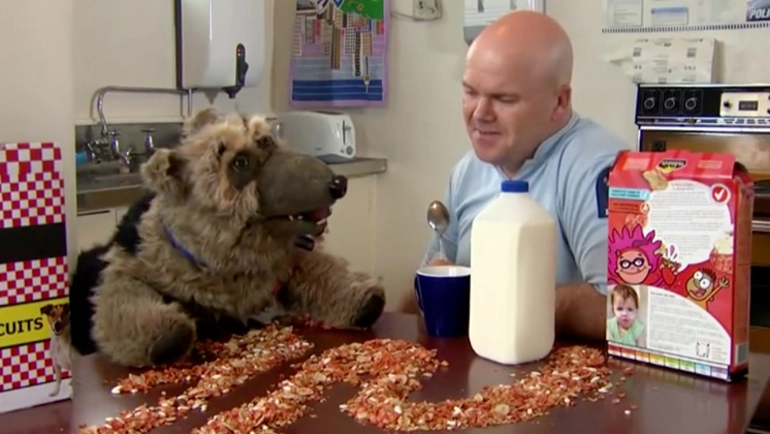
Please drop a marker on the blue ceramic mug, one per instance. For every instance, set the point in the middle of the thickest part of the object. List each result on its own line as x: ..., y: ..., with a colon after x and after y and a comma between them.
x: 443, y: 295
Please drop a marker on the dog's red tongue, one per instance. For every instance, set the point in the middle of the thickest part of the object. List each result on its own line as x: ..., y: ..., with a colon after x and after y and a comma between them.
x: 320, y: 214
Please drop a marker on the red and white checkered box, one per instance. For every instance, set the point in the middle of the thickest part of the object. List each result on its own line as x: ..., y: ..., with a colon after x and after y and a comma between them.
x: 31, y: 195
x: 28, y: 281
x: 27, y: 365
x: 31, y: 185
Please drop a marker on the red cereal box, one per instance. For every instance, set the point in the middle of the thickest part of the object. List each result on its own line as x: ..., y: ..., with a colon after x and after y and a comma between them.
x: 34, y: 319
x: 679, y: 261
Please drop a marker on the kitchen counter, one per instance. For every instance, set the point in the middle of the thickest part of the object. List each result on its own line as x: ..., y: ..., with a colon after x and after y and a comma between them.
x: 118, y: 191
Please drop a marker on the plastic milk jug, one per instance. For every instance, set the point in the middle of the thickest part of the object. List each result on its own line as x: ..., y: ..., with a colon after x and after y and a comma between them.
x: 513, y: 278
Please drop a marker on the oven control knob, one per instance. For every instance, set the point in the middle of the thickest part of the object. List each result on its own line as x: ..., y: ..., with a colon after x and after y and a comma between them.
x: 649, y: 103
x: 691, y: 103
x: 669, y: 103
x: 726, y: 104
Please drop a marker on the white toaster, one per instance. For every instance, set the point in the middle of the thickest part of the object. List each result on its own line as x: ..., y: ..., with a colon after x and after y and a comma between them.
x: 327, y: 135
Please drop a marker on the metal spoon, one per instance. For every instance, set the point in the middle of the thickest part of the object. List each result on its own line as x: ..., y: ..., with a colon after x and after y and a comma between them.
x: 438, y: 219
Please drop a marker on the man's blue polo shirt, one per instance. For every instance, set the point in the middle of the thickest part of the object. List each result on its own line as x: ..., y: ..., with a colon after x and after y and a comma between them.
x: 567, y: 176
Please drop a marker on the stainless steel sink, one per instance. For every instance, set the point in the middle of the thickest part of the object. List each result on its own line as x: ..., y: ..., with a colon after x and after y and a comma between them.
x: 119, y: 178
x: 97, y: 191
x: 89, y: 182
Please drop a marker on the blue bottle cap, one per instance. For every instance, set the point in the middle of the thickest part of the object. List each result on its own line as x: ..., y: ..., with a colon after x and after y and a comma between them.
x: 514, y: 186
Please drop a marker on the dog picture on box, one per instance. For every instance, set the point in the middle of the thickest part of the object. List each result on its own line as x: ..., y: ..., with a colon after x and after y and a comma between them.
x: 57, y: 316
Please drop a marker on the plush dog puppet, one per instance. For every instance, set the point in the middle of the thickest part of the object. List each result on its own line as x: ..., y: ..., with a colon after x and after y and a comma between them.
x: 214, y: 243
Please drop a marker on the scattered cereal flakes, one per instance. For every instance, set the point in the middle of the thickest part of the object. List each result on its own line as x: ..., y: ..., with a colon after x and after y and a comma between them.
x: 386, y: 372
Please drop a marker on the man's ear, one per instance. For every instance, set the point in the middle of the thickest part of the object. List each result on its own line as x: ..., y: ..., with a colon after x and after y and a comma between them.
x: 199, y: 120
x: 164, y: 172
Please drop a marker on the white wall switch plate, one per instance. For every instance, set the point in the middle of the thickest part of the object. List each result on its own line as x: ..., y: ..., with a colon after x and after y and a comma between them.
x: 427, y: 9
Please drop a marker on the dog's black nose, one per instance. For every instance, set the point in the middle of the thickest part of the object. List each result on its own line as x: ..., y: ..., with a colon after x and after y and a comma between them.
x: 338, y: 187
x: 57, y: 327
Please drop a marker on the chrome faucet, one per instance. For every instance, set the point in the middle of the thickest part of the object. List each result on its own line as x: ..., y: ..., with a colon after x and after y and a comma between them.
x: 115, y: 147
x: 98, y: 150
x: 92, y: 151
x: 149, y: 143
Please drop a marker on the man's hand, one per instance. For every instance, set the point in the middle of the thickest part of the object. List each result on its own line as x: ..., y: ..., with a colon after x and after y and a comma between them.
x: 439, y: 261
x: 581, y: 312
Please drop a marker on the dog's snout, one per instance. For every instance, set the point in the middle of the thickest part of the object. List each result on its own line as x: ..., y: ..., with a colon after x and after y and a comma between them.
x: 338, y: 187
x: 57, y: 326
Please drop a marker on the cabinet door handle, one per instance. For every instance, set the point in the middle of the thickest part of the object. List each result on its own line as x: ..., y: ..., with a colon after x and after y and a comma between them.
x: 87, y: 213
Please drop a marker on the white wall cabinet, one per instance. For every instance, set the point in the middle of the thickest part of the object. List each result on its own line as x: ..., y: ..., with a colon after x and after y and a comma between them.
x: 94, y: 227
x: 119, y: 213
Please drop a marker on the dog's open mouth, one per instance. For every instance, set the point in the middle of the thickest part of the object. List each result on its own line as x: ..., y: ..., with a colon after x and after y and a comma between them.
x: 313, y: 222
x: 318, y: 216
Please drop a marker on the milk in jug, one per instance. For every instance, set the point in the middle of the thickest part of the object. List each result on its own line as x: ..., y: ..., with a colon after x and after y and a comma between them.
x: 513, y: 278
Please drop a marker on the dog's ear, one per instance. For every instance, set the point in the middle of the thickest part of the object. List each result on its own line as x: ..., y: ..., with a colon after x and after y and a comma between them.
x: 260, y: 132
x: 199, y: 120
x: 164, y: 172
x: 45, y: 310
x: 65, y: 309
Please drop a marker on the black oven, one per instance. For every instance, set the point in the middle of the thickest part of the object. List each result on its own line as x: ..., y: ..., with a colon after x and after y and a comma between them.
x: 720, y: 118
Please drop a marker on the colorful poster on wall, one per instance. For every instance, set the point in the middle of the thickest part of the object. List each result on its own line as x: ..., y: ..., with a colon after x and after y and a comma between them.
x: 643, y: 16
x: 340, y: 54
x: 758, y: 10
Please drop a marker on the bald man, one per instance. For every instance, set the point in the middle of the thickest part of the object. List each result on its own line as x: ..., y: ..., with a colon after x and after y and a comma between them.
x: 517, y: 111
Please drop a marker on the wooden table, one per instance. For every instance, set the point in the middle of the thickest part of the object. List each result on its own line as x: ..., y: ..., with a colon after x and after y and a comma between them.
x: 668, y: 401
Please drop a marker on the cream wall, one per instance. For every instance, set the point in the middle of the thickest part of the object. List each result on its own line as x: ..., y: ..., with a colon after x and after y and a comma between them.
x: 36, y: 82
x: 131, y: 43
x: 80, y: 45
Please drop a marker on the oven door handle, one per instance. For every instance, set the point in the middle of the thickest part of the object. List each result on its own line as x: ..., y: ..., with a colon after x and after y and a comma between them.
x: 761, y: 226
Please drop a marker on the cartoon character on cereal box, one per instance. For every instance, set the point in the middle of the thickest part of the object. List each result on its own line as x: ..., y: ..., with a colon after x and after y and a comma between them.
x: 634, y: 259
x: 703, y: 285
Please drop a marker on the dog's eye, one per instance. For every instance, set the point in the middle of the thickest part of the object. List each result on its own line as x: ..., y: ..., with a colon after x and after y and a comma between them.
x: 240, y: 163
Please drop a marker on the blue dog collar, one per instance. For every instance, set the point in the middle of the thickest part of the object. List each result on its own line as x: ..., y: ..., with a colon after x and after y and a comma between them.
x: 181, y: 249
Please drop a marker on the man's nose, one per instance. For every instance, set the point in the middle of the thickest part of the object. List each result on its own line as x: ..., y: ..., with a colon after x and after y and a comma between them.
x: 338, y: 187
x: 484, y: 110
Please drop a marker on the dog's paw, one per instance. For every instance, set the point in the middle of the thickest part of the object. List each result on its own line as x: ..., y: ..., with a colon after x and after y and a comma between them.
x: 362, y: 282
x: 54, y: 393
x: 373, y: 301
x: 285, y: 320
x: 254, y: 324
x: 221, y: 329
x: 370, y: 311
x: 173, y: 345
